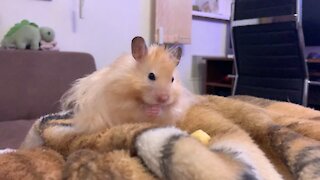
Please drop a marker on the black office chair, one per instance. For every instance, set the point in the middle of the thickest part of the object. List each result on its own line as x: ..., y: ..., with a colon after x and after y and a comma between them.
x: 269, y: 50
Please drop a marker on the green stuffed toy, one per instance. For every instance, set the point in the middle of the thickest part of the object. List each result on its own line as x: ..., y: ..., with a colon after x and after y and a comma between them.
x: 26, y: 35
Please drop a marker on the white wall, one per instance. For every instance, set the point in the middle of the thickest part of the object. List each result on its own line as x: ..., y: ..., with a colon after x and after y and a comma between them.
x: 105, y: 32
x: 108, y: 27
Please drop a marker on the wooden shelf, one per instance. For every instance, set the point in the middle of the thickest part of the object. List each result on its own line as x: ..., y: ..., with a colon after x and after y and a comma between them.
x: 215, y: 58
x: 219, y: 75
x: 216, y: 84
x: 210, y: 15
x: 313, y: 60
x: 223, y: 58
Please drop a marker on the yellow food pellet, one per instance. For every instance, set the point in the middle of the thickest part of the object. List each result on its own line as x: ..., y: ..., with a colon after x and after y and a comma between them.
x: 201, y: 136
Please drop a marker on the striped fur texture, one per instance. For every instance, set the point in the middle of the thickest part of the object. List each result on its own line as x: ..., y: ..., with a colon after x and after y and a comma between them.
x: 282, y: 144
x: 249, y: 140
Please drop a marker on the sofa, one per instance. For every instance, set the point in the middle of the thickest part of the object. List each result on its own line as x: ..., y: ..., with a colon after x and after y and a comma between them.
x: 32, y: 83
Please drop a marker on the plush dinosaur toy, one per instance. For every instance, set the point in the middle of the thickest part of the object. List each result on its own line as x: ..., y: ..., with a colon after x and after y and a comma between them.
x: 26, y: 35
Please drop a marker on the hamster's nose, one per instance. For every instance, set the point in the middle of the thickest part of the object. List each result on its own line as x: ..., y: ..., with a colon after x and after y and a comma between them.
x: 163, y: 98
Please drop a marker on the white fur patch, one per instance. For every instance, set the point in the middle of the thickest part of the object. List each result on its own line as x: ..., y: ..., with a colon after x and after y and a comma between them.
x: 7, y: 150
x: 240, y: 152
x: 62, y: 130
x: 151, y: 143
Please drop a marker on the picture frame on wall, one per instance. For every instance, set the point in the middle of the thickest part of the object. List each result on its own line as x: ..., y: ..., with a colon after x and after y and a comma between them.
x: 216, y: 9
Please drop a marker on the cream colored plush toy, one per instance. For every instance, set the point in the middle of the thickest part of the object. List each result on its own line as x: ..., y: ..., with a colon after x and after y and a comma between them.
x: 25, y: 35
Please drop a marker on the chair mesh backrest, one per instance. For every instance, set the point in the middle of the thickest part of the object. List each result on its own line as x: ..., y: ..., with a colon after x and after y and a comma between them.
x: 248, y: 9
x: 269, y: 61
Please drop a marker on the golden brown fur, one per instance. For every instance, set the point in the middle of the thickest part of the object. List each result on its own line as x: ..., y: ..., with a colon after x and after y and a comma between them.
x: 279, y: 142
x: 300, y: 119
x: 118, y: 137
x: 116, y: 165
x: 122, y: 137
x: 283, y: 108
x: 227, y: 121
x: 191, y: 160
x: 36, y: 164
x: 299, y: 153
x: 225, y: 134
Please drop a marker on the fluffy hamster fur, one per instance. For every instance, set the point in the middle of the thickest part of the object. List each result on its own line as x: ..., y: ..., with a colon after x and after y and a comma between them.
x: 124, y: 93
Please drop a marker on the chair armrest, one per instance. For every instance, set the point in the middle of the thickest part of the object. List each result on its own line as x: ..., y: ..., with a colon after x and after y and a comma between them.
x: 317, y: 83
x: 231, y: 76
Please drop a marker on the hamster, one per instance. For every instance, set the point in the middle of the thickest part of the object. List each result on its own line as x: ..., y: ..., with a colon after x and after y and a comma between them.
x: 140, y: 87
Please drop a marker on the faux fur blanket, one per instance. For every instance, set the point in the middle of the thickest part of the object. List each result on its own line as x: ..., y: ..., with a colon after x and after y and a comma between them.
x: 251, y: 138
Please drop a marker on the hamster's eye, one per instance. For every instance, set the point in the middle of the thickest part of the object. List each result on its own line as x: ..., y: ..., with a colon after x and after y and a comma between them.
x: 172, y: 79
x: 152, y: 77
x: 49, y: 33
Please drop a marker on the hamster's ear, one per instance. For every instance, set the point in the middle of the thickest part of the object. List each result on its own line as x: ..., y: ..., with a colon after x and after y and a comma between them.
x: 138, y: 48
x: 176, y: 51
